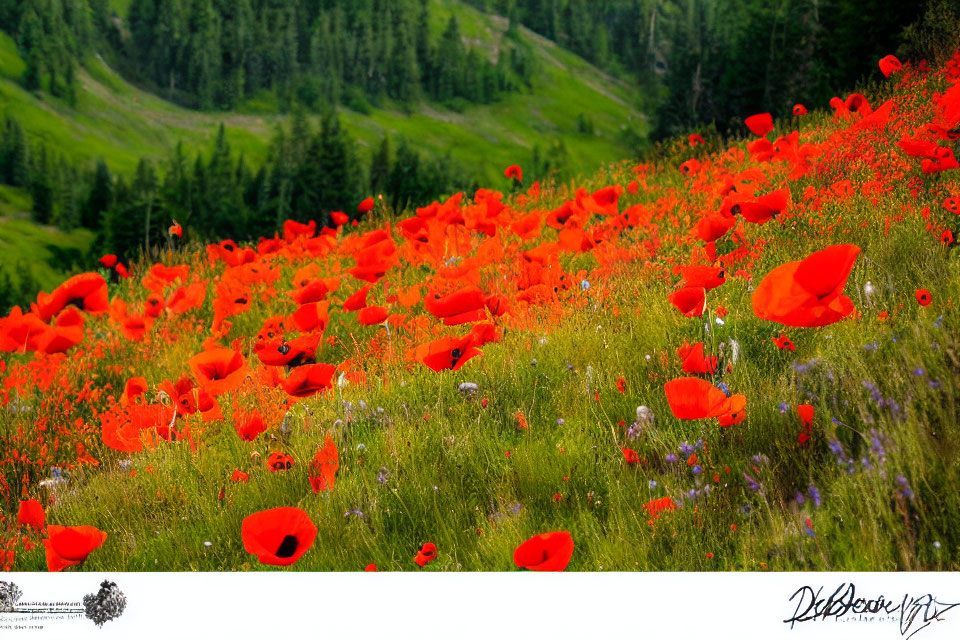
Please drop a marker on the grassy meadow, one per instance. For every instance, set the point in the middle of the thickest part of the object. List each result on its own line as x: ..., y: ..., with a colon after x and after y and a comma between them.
x: 582, y: 334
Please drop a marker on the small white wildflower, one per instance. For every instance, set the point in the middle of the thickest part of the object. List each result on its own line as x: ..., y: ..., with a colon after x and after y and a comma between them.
x: 645, y: 417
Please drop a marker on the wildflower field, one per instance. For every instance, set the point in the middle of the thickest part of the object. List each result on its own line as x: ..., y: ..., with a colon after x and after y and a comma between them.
x: 743, y: 355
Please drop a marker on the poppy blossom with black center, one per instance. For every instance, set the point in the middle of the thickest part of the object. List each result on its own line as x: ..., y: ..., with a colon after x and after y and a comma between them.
x: 68, y: 546
x: 426, y: 555
x: 545, y: 552
x: 86, y: 291
x: 694, y: 139
x: 515, y: 172
x: 783, y: 342
x: 278, y: 536
x: 446, y: 353
x: 309, y: 380
x: 923, y: 297
x: 294, y: 353
x: 690, y: 167
x: 219, y: 370
x: 279, y: 461
x: 799, y: 110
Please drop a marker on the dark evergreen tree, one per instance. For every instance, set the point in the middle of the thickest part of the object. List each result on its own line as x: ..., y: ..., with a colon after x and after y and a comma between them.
x: 100, y: 197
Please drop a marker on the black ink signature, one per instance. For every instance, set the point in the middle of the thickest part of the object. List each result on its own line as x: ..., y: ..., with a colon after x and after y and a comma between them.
x: 920, y: 610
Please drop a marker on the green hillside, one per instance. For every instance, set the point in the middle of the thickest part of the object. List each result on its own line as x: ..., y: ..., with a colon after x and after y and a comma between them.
x: 121, y: 123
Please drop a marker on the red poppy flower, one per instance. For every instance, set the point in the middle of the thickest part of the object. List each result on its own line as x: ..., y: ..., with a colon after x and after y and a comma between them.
x: 340, y: 218
x: 446, y: 353
x: 323, y: 468
x: 314, y: 316
x: 175, y: 230
x: 693, y: 399
x: 309, y: 380
x: 805, y: 411
x: 134, y: 388
x: 278, y: 536
x: 947, y: 237
x: 695, y: 139
x: 108, y: 261
x: 690, y: 301
x: 703, y: 276
x: 358, y: 300
x: 426, y: 555
x: 86, y: 291
x: 889, y: 64
x: 370, y: 567
x: 463, y: 301
x: 923, y: 297
x: 187, y: 297
x: 783, y: 342
x: 293, y: 230
x: 239, y: 476
x: 690, y: 167
x: 372, y: 315
x: 153, y: 307
x: 249, y: 426
x: 694, y: 361
x: 281, y: 353
x: 760, y: 124
x: 630, y: 457
x: 515, y: 172
x: 31, y: 514
x: 218, y: 370
x: 621, y: 384
x: 366, y: 206
x: 68, y: 546
x: 714, y: 226
x: 279, y: 461
x: 808, y: 293
x: 952, y: 204
x: 764, y: 208
x: 545, y: 552
x: 799, y: 110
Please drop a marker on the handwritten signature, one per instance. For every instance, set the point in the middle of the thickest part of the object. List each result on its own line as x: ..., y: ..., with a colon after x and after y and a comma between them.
x: 911, y: 610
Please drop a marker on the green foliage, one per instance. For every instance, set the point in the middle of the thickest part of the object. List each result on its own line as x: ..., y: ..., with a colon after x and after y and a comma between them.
x: 936, y: 35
